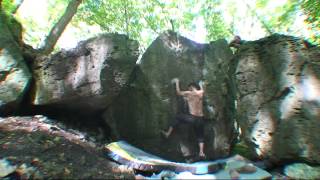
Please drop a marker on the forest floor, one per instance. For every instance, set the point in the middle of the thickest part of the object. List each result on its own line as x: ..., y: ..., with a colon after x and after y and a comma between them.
x: 34, y: 149
x: 37, y: 148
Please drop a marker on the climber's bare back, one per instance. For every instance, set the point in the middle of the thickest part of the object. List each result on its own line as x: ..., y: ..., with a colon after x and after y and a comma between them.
x: 194, y: 99
x: 193, y: 96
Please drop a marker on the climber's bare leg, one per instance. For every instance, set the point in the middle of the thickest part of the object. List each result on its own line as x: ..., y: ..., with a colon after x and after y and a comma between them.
x: 167, y: 133
x: 201, y: 149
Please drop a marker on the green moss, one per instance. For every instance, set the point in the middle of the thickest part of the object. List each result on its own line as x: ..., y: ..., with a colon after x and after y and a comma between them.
x: 242, y: 149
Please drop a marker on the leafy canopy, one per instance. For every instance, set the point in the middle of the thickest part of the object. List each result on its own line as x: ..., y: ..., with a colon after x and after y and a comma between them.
x: 312, y: 9
x: 143, y: 20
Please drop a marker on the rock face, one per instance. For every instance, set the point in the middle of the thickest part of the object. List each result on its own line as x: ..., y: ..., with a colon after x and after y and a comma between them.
x: 150, y: 103
x: 302, y: 171
x: 14, y: 73
x: 278, y: 98
x: 89, y: 76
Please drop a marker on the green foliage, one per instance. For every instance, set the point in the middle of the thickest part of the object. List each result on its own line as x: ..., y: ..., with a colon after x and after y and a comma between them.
x: 312, y: 10
x: 8, y: 6
x: 288, y: 11
x: 114, y: 16
x: 281, y: 18
x: 214, y: 22
x: 34, y: 33
x: 242, y: 149
x: 143, y: 20
x: 11, y: 6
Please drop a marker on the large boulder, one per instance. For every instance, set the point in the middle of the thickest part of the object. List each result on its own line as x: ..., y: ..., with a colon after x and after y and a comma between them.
x: 278, y: 98
x: 14, y: 73
x: 87, y: 77
x: 150, y: 103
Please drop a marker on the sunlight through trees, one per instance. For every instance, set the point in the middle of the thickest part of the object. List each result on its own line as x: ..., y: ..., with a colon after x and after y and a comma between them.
x: 143, y: 20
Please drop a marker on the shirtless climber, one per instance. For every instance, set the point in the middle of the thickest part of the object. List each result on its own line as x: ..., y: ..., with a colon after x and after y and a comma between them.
x: 194, y: 97
x: 236, y: 42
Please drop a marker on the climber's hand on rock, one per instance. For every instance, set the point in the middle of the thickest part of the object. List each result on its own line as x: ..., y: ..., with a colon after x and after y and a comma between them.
x: 174, y: 80
x: 201, y: 83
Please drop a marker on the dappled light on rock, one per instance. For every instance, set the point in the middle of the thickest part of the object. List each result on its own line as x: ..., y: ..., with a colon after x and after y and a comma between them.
x: 262, y: 132
x: 162, y: 92
x: 311, y: 88
x: 277, y: 79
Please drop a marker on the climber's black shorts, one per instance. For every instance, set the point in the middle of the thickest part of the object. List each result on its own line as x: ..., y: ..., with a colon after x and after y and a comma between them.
x: 197, y: 123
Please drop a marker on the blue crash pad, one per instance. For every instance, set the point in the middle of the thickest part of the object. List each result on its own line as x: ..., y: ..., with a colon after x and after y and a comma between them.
x: 124, y: 153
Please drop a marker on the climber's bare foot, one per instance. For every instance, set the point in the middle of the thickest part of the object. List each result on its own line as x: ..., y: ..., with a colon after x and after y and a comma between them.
x: 247, y: 169
x: 165, y: 133
x: 234, y: 174
x: 202, y: 155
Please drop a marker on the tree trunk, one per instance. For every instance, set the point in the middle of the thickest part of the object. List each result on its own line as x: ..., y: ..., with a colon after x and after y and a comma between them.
x: 172, y: 25
x: 17, y: 7
x: 60, y: 26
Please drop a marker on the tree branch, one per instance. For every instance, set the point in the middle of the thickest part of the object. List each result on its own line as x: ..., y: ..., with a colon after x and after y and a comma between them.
x: 60, y: 26
x: 172, y: 25
x: 17, y: 6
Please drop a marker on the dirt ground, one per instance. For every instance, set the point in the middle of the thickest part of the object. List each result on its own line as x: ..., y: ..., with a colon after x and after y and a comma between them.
x: 38, y: 152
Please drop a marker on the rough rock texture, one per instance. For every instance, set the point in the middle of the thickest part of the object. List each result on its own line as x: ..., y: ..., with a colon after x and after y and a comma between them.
x: 302, y: 171
x: 278, y: 98
x: 150, y: 103
x: 14, y: 73
x: 89, y: 76
x: 220, y: 97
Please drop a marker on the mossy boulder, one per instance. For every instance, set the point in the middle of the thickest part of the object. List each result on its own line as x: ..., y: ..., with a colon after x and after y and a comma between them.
x: 14, y: 73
